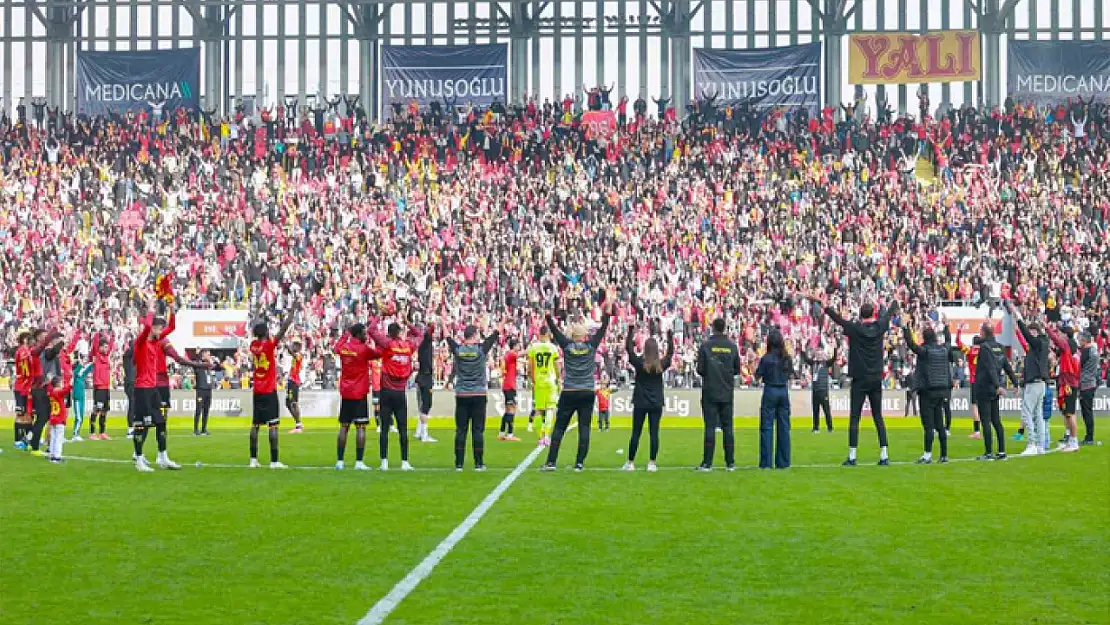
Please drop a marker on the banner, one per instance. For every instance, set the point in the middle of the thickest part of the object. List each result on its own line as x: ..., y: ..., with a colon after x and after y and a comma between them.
x: 121, y: 81
x: 1050, y: 72
x: 784, y: 76
x: 901, y: 58
x: 600, y: 124
x: 476, y: 75
x: 680, y: 404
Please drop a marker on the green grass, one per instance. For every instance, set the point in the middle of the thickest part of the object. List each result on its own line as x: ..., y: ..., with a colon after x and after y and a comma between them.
x: 1018, y: 542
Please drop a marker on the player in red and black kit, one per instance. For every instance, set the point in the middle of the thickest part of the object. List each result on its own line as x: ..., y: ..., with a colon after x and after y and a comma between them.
x: 293, y: 387
x: 22, y: 388
x: 147, y: 351
x: 266, y: 408
x: 508, y: 388
x: 354, y: 385
x: 102, y: 383
x: 376, y: 390
x: 44, y: 366
x: 396, y: 358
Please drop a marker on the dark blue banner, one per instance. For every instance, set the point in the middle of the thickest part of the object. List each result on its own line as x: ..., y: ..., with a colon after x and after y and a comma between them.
x: 134, y: 81
x: 459, y: 75
x: 764, y: 77
x: 1050, y: 72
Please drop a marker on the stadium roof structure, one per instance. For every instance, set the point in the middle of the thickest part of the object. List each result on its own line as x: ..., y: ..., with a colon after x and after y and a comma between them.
x: 271, y: 50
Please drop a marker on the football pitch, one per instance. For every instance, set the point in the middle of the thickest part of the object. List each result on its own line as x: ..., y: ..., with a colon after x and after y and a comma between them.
x: 92, y: 541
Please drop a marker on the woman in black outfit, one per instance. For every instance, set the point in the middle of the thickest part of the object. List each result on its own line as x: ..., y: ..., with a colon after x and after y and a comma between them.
x: 775, y: 370
x: 647, y: 398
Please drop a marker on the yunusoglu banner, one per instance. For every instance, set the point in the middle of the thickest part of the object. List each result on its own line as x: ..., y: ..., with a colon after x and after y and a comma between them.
x: 477, y: 74
x: 121, y: 81
x: 784, y: 76
x: 1052, y: 71
x: 900, y: 58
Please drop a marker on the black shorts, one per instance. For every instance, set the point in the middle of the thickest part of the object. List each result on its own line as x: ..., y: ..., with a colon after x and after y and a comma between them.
x: 424, y: 398
x: 102, y: 399
x: 148, y: 407
x: 510, y: 396
x: 266, y: 411
x: 292, y: 394
x: 164, y: 400
x: 354, y: 411
x: 1070, y: 401
x: 20, y: 405
x: 377, y: 397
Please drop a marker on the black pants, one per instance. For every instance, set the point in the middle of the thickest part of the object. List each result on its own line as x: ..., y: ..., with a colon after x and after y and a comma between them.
x: 129, y: 391
x: 395, y: 404
x: 571, y: 403
x: 821, y: 400
x: 774, y: 422
x: 718, y: 414
x: 1087, y: 407
x: 470, y: 414
x: 653, y: 415
x: 932, y: 419
x: 946, y: 405
x: 40, y: 406
x: 200, y: 414
x: 873, y: 395
x: 989, y: 418
x: 911, y: 402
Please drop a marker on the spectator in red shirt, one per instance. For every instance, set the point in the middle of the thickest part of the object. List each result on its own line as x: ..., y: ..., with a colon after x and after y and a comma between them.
x: 355, y: 355
x: 266, y: 408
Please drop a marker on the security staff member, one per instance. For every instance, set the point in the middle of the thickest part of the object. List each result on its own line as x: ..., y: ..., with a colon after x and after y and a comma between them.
x: 718, y: 363
x: 820, y: 388
x: 989, y: 365
x: 934, y: 371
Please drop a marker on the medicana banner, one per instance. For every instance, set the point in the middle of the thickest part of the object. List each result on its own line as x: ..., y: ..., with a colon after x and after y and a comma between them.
x: 1050, y: 72
x: 476, y: 75
x: 679, y: 404
x: 119, y: 81
x: 785, y: 76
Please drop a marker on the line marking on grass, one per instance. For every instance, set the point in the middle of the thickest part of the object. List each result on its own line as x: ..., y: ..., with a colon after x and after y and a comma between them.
x: 387, y: 604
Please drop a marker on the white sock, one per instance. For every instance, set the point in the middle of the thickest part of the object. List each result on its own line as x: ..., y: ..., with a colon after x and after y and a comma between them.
x: 882, y: 453
x: 928, y: 455
x: 851, y: 453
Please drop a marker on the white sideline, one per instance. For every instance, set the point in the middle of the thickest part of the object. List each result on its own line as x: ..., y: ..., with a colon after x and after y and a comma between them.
x: 387, y: 604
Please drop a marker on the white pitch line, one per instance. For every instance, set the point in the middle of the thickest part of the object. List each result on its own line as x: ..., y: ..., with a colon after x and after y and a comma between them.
x: 387, y: 604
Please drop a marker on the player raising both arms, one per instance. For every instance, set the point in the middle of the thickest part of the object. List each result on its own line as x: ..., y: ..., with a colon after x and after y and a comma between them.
x: 23, y: 416
x: 266, y: 408
x: 545, y: 371
x: 148, y: 409
x: 102, y: 383
x: 354, y: 385
x: 425, y: 380
x: 396, y: 369
x: 293, y: 386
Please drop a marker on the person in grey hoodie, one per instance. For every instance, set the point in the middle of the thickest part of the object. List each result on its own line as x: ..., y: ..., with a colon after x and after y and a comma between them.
x: 471, y: 384
x: 579, y: 369
x: 1088, y: 382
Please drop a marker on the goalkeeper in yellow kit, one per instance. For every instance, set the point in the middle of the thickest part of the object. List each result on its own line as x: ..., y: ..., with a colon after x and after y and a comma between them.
x: 544, y: 369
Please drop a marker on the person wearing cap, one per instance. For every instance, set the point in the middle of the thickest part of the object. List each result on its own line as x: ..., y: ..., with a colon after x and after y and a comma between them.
x: 1034, y: 379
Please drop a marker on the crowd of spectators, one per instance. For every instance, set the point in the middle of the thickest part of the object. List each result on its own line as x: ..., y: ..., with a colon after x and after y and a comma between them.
x: 454, y: 215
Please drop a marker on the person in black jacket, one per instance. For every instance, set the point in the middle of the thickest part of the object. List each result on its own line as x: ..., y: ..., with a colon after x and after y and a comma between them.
x: 129, y: 381
x: 934, y: 371
x: 1035, y: 379
x: 775, y: 370
x: 425, y: 358
x: 206, y: 378
x: 819, y: 385
x: 647, y: 397
x: 718, y: 363
x: 989, y: 365
x: 865, y: 367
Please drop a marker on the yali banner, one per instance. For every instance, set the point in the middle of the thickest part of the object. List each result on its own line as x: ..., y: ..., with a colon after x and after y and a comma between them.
x: 902, y: 58
x: 1050, y: 72
x: 784, y: 76
x: 459, y: 75
x: 122, y: 81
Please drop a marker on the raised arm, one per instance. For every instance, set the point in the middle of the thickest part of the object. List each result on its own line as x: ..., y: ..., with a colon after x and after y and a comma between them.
x: 630, y: 348
x: 373, y: 328
x: 341, y: 343
x: 699, y: 364
x: 285, y: 325
x: 836, y: 318
x: 670, y: 350
x: 181, y: 360
x: 560, y: 338
x: 599, y: 336
x: 452, y: 344
x: 914, y: 347
x: 171, y: 325
x: 490, y: 341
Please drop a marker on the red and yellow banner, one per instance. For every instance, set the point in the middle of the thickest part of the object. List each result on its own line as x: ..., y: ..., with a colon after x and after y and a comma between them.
x: 900, y: 58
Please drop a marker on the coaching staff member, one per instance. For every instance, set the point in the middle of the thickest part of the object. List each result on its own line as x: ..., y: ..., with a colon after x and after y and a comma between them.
x: 865, y: 367
x: 718, y: 363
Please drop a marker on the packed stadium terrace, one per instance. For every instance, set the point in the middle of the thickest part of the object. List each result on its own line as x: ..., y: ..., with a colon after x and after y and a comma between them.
x: 465, y: 216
